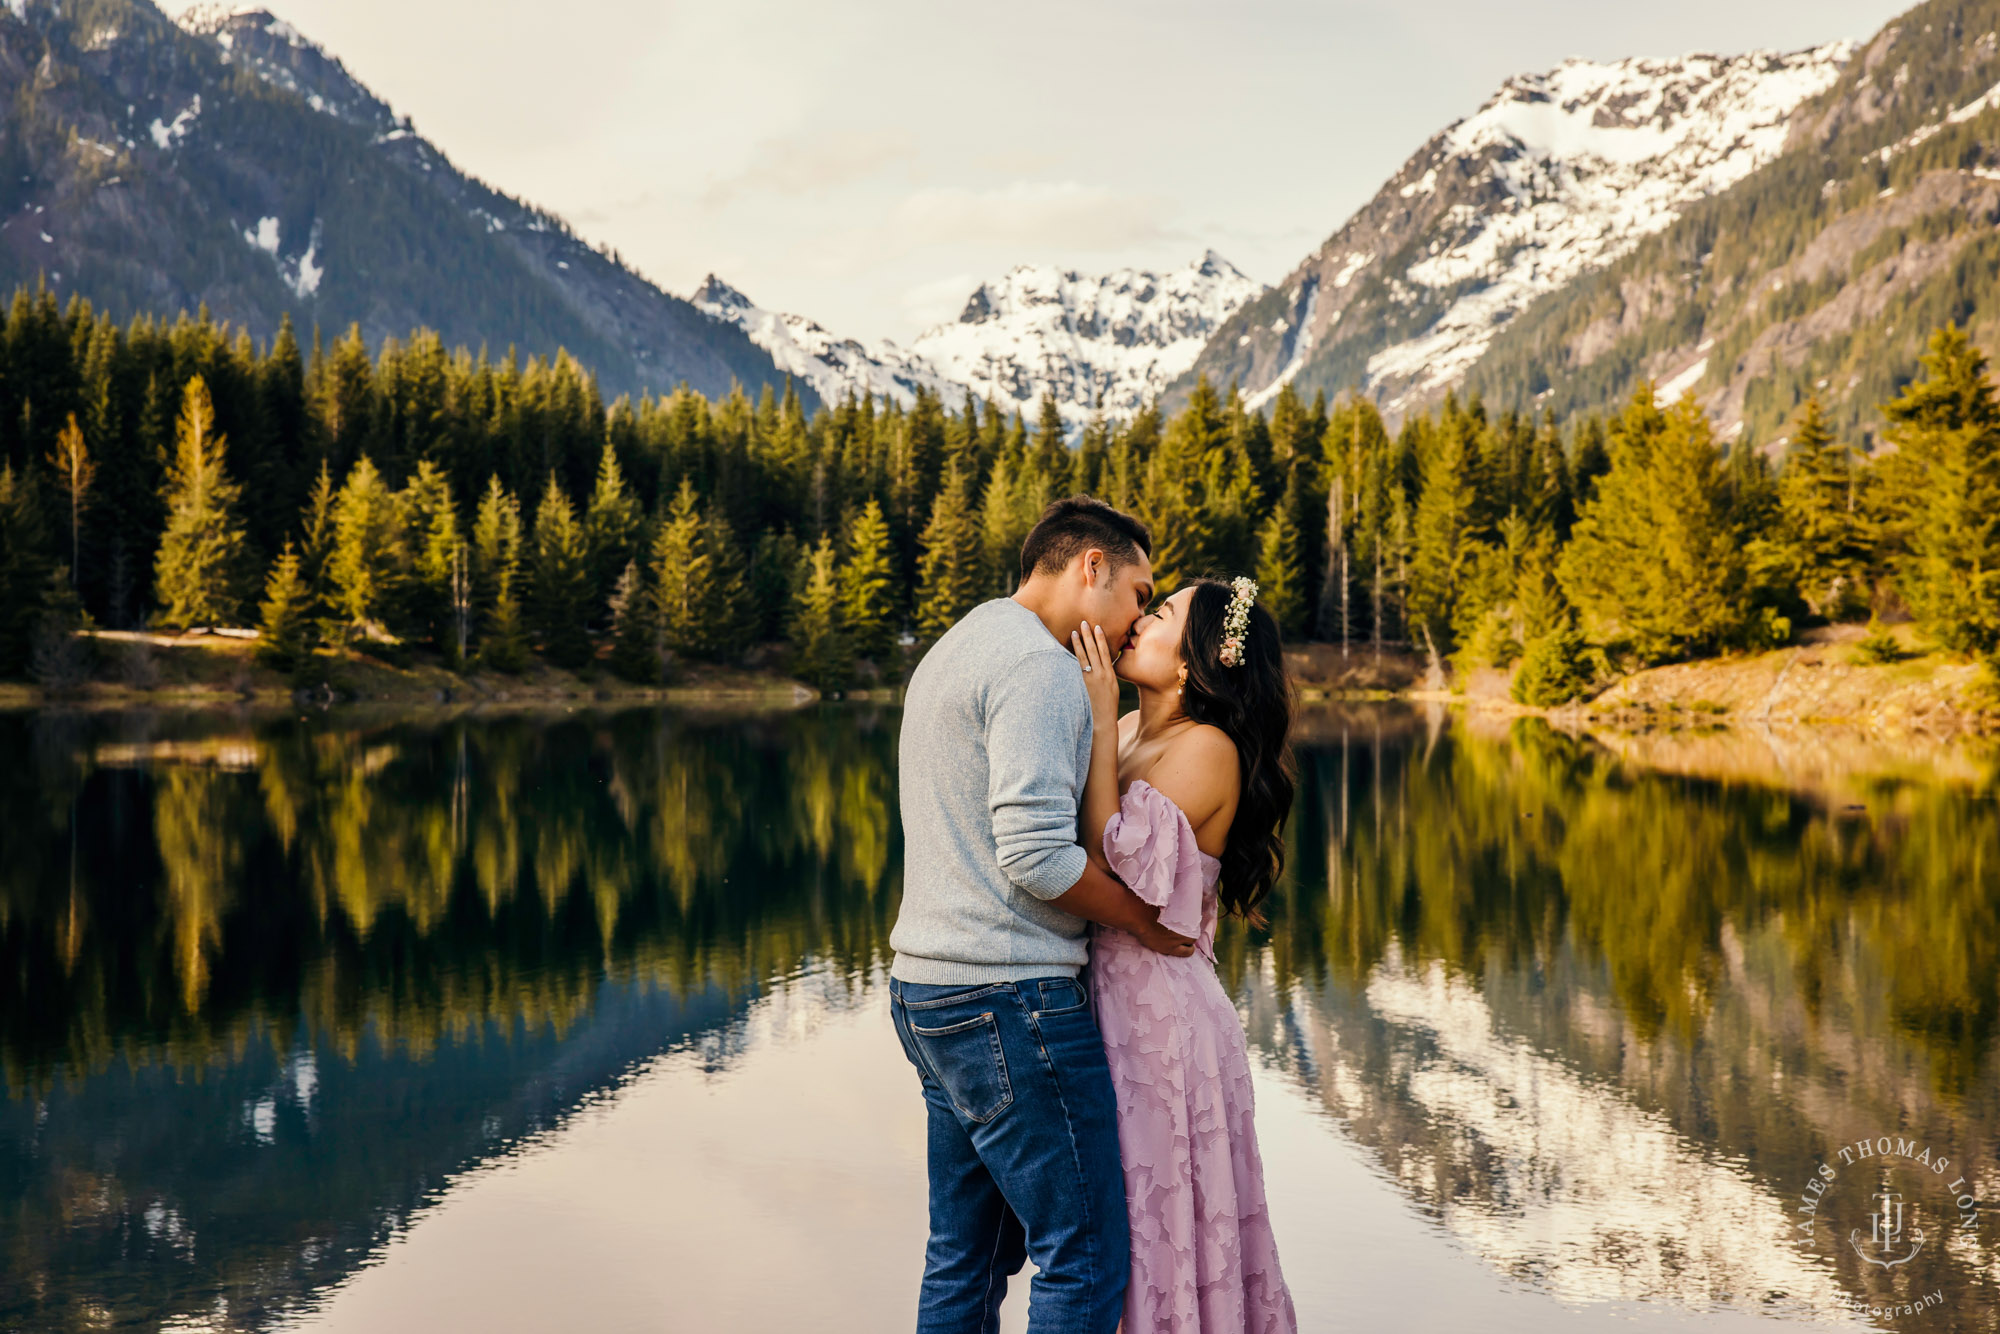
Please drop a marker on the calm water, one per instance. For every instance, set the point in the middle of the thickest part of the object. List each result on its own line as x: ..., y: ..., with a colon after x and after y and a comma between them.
x: 523, y: 1022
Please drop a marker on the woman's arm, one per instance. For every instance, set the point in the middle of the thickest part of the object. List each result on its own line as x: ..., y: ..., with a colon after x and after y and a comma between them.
x: 1100, y: 788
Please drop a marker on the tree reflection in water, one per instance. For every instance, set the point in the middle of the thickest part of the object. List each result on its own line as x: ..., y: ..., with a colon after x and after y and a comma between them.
x: 269, y: 983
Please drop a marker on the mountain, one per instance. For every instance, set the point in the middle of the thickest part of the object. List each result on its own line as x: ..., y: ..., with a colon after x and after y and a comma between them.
x: 1108, y: 343
x: 1823, y: 272
x: 832, y: 365
x: 227, y: 161
x: 1557, y: 175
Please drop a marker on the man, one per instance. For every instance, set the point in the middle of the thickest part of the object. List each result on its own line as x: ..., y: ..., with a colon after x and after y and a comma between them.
x: 990, y: 941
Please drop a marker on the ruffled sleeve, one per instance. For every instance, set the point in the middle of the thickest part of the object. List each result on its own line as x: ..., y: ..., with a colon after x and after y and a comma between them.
x: 1151, y: 846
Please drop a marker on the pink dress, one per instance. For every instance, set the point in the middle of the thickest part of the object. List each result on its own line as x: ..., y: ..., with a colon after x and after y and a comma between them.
x: 1203, y: 1257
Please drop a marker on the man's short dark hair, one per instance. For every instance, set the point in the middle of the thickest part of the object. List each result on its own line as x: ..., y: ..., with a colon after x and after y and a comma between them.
x: 1071, y: 527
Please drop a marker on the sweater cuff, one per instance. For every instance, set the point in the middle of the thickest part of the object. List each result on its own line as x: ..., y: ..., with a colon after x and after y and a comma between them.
x: 1057, y: 873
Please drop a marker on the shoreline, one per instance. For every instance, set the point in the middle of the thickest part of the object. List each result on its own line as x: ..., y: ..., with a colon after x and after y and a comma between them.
x: 1815, y: 683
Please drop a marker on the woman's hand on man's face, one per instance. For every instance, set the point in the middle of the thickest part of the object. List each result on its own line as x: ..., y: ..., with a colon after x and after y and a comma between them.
x: 1100, y: 682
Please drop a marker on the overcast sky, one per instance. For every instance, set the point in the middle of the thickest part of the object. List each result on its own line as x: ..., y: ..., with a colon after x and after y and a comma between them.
x: 867, y: 163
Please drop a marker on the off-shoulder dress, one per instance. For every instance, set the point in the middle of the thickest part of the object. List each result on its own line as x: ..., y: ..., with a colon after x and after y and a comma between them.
x: 1204, y: 1260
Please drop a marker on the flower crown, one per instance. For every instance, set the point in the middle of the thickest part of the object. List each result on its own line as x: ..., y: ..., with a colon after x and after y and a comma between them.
x: 1236, y: 622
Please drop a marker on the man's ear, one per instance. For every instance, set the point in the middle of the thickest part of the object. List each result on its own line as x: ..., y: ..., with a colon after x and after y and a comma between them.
x: 1095, y: 563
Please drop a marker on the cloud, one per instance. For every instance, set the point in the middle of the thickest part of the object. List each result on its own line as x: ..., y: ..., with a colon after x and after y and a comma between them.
x: 810, y: 164
x: 1048, y: 214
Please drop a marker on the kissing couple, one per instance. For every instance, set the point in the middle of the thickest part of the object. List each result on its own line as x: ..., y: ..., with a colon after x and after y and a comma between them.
x: 1086, y: 1077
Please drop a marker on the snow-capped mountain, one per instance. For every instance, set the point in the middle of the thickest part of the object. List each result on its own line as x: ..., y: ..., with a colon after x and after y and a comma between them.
x: 832, y: 365
x: 223, y: 159
x: 1557, y: 175
x: 1108, y: 343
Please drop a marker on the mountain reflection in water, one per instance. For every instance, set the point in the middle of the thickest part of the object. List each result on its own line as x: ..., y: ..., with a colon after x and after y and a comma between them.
x: 272, y: 985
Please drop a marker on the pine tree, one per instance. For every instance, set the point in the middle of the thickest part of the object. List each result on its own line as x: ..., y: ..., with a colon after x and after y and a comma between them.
x: 1821, y: 531
x: 1943, y: 489
x: 504, y: 647
x: 727, y: 621
x: 437, y: 557
x: 560, y: 583
x: 773, y: 567
x: 821, y: 654
x: 1444, y: 554
x: 1555, y: 665
x: 23, y: 570
x: 949, y: 579
x: 199, y: 564
x: 1197, y: 493
x: 867, y: 596
x: 75, y: 471
x: 366, y: 567
x: 1280, y: 586
x: 285, y: 630
x: 1654, y: 552
x: 610, y: 525
x: 316, y: 549
x: 1554, y: 669
x: 635, y: 651
x: 683, y: 576
x: 495, y: 556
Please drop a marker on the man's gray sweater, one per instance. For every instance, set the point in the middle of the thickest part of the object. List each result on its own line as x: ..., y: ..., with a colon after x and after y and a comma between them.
x: 993, y: 755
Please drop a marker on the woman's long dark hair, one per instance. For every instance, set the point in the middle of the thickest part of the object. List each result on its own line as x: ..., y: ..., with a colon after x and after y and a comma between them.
x: 1252, y: 703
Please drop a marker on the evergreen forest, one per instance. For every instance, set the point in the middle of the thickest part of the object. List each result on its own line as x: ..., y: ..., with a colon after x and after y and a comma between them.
x: 410, y: 499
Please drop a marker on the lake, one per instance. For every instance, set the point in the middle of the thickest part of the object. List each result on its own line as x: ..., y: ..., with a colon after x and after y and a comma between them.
x: 392, y: 1022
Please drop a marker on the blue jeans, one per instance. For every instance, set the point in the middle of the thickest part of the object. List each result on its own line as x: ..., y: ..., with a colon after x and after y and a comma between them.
x: 1023, y: 1155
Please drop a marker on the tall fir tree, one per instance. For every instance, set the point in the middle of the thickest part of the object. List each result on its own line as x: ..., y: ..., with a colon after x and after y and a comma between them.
x: 1654, y: 554
x: 366, y: 567
x: 635, y: 628
x: 611, y: 526
x: 199, y: 569
x: 495, y: 554
x: 24, y: 570
x: 1822, y: 531
x: 950, y: 581
x: 75, y: 469
x: 867, y: 595
x: 683, y: 576
x: 822, y: 656
x: 437, y: 558
x: 559, y: 606
x: 1943, y: 491
x: 1444, y: 551
x: 728, y: 623
x: 1280, y: 582
x: 285, y: 627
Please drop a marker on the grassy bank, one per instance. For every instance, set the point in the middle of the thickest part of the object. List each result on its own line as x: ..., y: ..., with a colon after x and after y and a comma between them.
x: 1821, y: 680
x: 131, y: 669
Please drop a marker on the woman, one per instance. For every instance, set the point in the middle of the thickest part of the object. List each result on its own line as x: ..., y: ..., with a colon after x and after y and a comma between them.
x: 1186, y: 800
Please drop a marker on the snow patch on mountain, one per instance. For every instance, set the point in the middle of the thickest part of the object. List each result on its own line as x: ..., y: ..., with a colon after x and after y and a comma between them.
x: 300, y: 273
x: 1576, y: 166
x: 1107, y: 343
x: 166, y: 135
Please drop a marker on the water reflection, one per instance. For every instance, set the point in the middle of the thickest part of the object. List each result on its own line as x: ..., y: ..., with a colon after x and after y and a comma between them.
x: 1604, y: 1020
x: 266, y: 987
x: 1598, y: 1007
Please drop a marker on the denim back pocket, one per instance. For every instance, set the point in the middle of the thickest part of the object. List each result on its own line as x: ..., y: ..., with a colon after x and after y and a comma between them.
x: 968, y: 1062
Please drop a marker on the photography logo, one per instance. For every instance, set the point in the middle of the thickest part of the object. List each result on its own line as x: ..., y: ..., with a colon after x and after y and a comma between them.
x: 1889, y: 1200
x: 1885, y: 1234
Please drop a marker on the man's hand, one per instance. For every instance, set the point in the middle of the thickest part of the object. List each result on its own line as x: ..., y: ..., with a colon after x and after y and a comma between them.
x: 1162, y: 941
x: 1102, y: 898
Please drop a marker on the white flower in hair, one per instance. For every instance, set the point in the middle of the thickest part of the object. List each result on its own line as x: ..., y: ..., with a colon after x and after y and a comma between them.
x: 1236, y: 622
